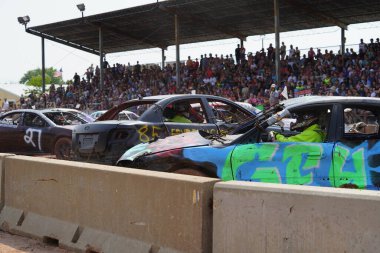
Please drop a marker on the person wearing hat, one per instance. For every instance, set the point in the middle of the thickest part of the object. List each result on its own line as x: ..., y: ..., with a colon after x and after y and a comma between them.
x: 182, y: 112
x: 274, y: 95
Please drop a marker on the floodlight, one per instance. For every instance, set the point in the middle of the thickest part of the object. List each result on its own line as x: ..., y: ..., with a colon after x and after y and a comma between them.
x: 81, y: 7
x: 23, y: 20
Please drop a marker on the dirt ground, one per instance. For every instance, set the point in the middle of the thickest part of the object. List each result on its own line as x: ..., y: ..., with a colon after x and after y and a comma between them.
x: 17, y: 244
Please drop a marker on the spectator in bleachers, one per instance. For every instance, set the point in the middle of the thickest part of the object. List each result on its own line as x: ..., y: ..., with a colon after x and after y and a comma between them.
x: 237, y: 54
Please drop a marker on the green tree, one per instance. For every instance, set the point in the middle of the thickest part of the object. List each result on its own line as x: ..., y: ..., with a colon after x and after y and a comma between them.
x: 36, y: 81
x: 34, y: 77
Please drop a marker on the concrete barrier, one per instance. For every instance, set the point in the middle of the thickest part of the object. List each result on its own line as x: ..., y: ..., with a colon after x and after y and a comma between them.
x: 259, y: 217
x: 2, y: 162
x: 96, y: 208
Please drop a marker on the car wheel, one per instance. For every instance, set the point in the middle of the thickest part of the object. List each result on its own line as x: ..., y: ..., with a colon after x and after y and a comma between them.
x: 62, y: 149
x: 188, y: 171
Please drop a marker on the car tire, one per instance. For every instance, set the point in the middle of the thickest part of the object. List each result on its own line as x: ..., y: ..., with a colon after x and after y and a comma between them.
x: 189, y: 171
x: 62, y: 149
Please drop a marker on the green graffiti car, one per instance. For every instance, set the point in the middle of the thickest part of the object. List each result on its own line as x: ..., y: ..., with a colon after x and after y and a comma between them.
x: 345, y: 152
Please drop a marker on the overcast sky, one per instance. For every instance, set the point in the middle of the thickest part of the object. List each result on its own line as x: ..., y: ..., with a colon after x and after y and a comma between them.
x: 21, y: 51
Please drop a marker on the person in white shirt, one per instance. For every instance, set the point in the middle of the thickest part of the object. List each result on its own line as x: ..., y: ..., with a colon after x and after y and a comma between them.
x: 5, y: 105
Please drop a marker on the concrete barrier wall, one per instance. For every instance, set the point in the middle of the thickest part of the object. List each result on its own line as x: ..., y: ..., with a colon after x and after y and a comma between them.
x: 96, y: 208
x: 2, y: 163
x: 257, y: 217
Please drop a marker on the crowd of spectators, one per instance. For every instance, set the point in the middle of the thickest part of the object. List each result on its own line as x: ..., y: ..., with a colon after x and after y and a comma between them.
x: 247, y: 77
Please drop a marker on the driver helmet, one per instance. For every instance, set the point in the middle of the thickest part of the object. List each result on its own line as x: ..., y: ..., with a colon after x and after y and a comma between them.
x: 303, y: 121
x: 181, y: 107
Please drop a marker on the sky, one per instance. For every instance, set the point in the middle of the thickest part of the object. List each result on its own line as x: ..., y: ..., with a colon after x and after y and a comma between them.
x: 21, y: 51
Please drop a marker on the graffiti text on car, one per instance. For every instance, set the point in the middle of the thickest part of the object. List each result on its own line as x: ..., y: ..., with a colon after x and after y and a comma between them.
x: 148, y: 133
x: 28, y: 137
x: 301, y: 164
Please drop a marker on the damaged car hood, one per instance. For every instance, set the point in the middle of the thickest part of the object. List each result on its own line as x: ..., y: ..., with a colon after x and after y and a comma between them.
x: 190, y: 139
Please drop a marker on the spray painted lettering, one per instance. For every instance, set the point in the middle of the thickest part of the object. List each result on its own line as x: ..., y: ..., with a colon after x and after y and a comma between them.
x: 298, y: 163
x: 29, y: 137
x: 320, y: 164
x: 148, y: 133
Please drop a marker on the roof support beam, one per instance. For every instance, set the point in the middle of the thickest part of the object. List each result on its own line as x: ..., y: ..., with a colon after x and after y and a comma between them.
x: 43, y: 65
x: 277, y: 36
x: 64, y: 42
x: 101, y: 79
x: 195, y: 19
x: 177, y: 65
x: 315, y: 13
x: 162, y: 58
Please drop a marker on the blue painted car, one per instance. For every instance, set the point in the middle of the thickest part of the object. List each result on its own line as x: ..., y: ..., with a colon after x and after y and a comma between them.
x: 348, y: 157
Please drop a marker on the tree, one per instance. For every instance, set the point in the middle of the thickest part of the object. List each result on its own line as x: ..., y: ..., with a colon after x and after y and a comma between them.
x: 36, y: 81
x: 34, y: 77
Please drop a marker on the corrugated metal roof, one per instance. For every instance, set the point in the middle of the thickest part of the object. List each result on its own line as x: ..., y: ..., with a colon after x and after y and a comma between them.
x: 152, y: 25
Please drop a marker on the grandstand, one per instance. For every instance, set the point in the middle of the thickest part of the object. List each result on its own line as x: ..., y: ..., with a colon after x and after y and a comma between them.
x: 240, y: 78
x: 168, y: 23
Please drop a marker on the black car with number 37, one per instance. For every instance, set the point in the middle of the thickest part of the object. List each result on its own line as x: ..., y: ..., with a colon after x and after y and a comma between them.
x: 106, y: 139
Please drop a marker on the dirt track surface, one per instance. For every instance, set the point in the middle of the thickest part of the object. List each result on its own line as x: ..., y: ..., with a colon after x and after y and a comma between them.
x: 17, y: 244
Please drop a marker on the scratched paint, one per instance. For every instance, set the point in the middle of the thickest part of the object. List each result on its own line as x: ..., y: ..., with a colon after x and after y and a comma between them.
x: 7, y: 123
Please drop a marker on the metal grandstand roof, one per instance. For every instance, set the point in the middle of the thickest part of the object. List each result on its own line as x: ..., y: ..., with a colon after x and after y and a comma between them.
x: 152, y: 25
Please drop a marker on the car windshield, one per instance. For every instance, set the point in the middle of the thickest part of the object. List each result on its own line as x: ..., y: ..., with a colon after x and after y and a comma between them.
x: 83, y: 116
x: 260, y: 118
x: 64, y: 118
x: 274, y: 115
x: 127, y: 111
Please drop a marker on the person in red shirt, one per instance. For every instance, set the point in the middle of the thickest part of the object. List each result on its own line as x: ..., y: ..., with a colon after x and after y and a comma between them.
x: 310, y: 56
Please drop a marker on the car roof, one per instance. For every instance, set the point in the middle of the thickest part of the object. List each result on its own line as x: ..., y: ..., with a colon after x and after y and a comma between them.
x: 31, y: 110
x: 310, y: 100
x: 59, y: 110
x: 161, y: 101
x: 161, y: 97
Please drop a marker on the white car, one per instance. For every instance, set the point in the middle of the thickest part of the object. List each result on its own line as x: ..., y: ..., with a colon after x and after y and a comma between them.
x: 97, y: 114
x: 77, y: 113
x: 128, y: 115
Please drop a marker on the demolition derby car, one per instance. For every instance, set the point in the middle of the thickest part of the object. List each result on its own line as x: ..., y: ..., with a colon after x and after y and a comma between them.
x: 348, y: 156
x: 48, y: 131
x: 106, y: 139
